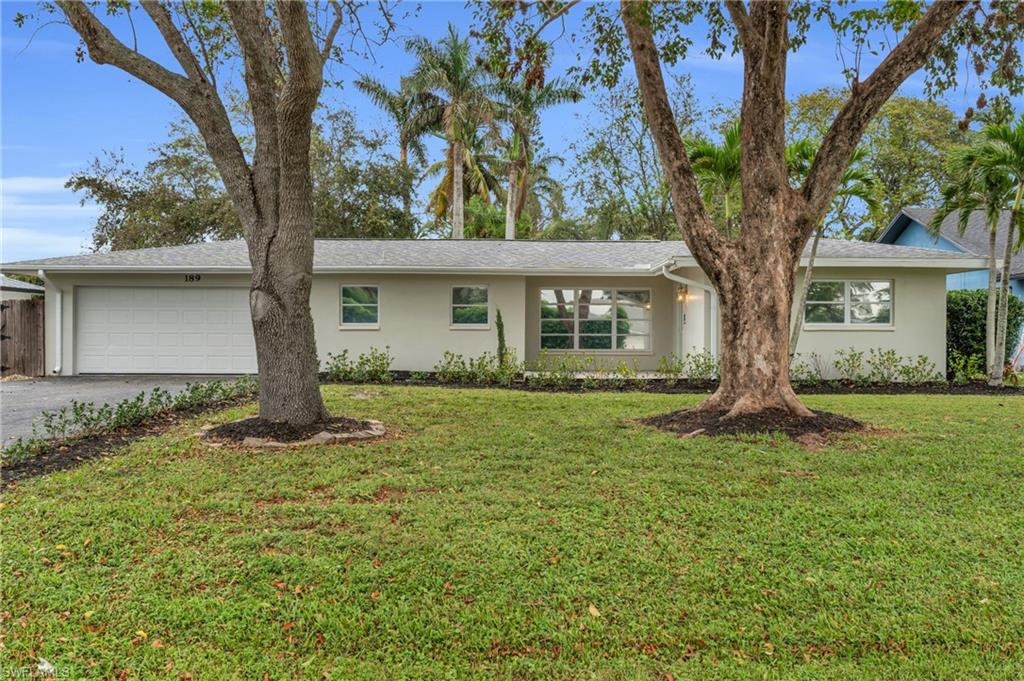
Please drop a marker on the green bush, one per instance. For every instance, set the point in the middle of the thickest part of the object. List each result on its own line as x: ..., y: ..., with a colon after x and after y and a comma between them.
x: 965, y: 324
x: 371, y: 367
x: 81, y: 419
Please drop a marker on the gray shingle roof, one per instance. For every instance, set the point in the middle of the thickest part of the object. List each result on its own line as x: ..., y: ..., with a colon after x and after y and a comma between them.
x: 9, y: 284
x: 975, y: 237
x: 468, y: 255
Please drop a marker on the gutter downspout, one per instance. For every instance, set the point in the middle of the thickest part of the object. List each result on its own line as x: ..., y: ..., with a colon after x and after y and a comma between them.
x: 59, y: 340
x: 665, y: 272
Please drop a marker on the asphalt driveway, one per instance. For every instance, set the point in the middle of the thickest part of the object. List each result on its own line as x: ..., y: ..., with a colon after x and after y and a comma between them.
x: 22, y: 401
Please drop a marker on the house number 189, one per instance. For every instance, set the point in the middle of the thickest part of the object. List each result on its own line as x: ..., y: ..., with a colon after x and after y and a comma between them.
x: 193, y: 277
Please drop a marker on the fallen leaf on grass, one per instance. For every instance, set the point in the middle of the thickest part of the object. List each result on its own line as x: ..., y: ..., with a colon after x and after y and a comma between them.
x: 594, y: 612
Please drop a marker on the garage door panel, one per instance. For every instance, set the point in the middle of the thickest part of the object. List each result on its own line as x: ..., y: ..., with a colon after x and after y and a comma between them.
x: 163, y: 330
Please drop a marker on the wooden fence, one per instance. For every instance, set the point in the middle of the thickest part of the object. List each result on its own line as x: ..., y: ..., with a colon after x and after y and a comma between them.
x: 22, y: 346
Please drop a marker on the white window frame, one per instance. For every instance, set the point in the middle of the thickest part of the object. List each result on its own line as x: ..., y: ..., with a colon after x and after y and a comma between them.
x: 615, y: 328
x: 451, y: 309
x: 357, y: 326
x: 847, y: 324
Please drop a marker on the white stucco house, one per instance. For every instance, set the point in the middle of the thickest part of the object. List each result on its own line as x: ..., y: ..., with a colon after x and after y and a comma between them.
x: 184, y: 309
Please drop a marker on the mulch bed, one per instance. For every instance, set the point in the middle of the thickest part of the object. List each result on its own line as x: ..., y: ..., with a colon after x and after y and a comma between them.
x: 694, y: 422
x: 77, y: 452
x: 661, y: 386
x: 237, y: 431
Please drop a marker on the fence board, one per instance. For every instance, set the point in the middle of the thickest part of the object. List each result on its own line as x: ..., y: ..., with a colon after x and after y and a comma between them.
x: 22, y: 344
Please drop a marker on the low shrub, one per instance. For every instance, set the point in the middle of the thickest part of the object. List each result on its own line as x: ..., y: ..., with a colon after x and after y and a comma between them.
x: 810, y: 369
x: 883, y: 365
x: 965, y: 368
x: 671, y: 368
x: 371, y: 367
x: 451, y: 369
x: 918, y: 370
x: 702, y: 366
x: 81, y: 419
x: 849, y: 364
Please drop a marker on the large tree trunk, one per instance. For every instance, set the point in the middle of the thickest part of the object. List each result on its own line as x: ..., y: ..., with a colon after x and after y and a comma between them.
x: 510, y: 204
x: 458, y: 207
x: 798, y: 323
x: 282, y: 324
x: 991, y: 307
x: 755, y: 303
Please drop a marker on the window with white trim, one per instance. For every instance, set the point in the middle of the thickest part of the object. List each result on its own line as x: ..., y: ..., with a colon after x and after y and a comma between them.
x: 360, y: 306
x: 595, y: 319
x: 853, y: 303
x: 470, y: 306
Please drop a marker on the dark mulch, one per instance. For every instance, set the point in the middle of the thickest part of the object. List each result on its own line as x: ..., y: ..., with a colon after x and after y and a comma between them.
x: 658, y: 385
x: 692, y: 422
x: 237, y: 431
x: 78, y: 451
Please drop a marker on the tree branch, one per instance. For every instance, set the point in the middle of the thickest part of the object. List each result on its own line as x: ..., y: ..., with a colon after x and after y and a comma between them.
x: 332, y: 32
x: 866, y: 100
x: 709, y: 247
x: 105, y: 48
x: 738, y: 13
x: 172, y: 36
x: 197, y: 99
x: 763, y: 169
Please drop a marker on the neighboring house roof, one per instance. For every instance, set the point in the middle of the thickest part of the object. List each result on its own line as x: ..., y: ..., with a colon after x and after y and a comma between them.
x: 974, y: 238
x: 9, y: 284
x: 478, y: 255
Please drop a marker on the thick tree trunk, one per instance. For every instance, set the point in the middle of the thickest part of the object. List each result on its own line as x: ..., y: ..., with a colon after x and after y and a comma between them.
x: 458, y: 208
x: 991, y: 307
x: 755, y: 299
x: 282, y: 324
x: 798, y: 323
x: 510, y: 204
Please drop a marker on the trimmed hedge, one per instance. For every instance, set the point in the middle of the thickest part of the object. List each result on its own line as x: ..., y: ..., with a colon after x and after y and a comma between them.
x: 965, y: 323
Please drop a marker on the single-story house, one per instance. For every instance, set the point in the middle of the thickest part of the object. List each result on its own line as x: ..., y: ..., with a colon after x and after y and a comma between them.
x: 911, y: 227
x: 184, y: 309
x: 15, y: 289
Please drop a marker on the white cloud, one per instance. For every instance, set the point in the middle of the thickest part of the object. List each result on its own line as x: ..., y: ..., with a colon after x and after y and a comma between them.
x: 32, y: 185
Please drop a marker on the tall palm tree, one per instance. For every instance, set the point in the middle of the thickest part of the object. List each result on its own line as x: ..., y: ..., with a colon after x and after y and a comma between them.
x: 520, y: 106
x: 456, y: 101
x: 1001, y: 152
x: 856, y: 183
x: 717, y: 168
x: 401, y: 106
x: 986, y: 190
x: 477, y: 171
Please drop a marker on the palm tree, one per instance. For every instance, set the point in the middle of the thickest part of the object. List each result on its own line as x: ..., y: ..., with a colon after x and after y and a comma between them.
x: 476, y: 172
x: 986, y: 191
x: 717, y: 168
x: 455, y: 92
x: 1001, y: 154
x: 520, y: 107
x: 401, y: 106
x: 856, y: 183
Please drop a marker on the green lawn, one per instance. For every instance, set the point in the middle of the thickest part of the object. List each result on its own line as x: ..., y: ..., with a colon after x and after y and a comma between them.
x: 525, y: 535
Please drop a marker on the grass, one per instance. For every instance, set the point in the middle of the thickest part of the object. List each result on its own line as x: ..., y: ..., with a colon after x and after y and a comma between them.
x: 525, y: 535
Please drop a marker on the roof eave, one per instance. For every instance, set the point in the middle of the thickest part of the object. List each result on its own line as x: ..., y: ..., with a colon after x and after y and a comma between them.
x: 949, y: 264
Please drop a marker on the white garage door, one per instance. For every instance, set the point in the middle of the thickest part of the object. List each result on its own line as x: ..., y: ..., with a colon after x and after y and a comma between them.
x: 163, y: 330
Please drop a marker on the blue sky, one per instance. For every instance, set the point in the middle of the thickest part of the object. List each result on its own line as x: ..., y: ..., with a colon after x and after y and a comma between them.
x: 56, y: 115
